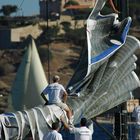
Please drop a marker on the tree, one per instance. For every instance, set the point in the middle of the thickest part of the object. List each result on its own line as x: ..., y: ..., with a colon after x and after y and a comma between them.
x: 7, y: 10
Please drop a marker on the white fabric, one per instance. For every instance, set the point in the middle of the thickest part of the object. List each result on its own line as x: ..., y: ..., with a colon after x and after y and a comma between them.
x: 55, y: 92
x: 81, y: 133
x: 136, y: 115
x: 32, y: 123
x: 19, y: 124
x: 53, y: 135
x: 91, y: 126
x: 23, y: 123
x: 40, y: 123
x: 6, y: 130
x: 30, y: 80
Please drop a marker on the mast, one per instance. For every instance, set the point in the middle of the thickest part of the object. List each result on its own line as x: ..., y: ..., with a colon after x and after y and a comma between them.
x: 47, y: 11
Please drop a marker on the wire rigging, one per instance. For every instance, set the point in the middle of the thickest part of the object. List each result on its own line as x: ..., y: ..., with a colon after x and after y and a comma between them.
x: 20, y: 5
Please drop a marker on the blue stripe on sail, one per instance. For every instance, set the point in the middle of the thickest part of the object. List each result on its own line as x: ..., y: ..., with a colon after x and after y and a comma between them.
x: 104, y: 54
x: 113, y: 47
x: 123, y: 36
x: 8, y: 114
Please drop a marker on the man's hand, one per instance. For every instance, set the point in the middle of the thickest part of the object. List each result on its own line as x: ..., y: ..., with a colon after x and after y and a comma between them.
x: 64, y: 123
x: 43, y: 96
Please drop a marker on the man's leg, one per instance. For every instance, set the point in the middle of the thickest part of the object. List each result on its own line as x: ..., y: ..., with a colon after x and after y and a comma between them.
x: 68, y: 112
x: 66, y: 108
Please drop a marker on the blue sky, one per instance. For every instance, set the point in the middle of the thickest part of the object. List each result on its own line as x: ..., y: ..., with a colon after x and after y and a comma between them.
x: 29, y: 7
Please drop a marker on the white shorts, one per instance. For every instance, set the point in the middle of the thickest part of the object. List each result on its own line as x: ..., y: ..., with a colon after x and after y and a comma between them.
x: 62, y: 105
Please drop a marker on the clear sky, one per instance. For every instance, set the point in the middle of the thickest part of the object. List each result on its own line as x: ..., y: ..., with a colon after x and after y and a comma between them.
x: 28, y: 7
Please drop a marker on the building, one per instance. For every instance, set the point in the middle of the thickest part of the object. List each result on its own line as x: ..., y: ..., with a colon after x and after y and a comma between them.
x: 84, y: 2
x: 50, y: 9
x: 13, y: 37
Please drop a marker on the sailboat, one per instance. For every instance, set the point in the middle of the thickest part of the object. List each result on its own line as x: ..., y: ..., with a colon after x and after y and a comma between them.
x: 104, y: 78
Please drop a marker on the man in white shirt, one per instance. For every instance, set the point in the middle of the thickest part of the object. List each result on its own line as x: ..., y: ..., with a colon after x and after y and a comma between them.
x: 82, y: 132
x: 136, y: 115
x: 57, y: 95
x: 53, y: 134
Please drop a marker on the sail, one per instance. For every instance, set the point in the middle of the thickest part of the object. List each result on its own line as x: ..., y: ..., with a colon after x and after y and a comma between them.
x: 105, y: 75
x: 105, y: 35
x: 104, y: 78
x: 30, y: 80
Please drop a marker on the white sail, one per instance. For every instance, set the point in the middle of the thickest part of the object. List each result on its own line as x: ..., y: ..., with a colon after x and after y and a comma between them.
x: 103, y: 79
x: 30, y: 80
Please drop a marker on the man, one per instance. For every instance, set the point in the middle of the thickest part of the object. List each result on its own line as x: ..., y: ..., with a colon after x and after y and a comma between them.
x: 53, y: 134
x: 81, y: 133
x: 57, y: 95
x: 136, y: 115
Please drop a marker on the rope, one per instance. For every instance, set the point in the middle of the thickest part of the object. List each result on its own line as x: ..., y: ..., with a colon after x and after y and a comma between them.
x: 20, y: 5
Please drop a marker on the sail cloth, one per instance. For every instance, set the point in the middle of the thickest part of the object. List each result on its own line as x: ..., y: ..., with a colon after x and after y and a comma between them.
x: 103, y: 79
x: 105, y: 35
x: 6, y: 120
x: 105, y: 75
x: 30, y: 80
x: 36, y: 121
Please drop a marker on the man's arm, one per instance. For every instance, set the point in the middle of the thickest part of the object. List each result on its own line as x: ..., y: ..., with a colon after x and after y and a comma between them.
x: 44, y: 97
x: 65, y: 95
x: 90, y: 126
x: 71, y: 128
x: 66, y: 126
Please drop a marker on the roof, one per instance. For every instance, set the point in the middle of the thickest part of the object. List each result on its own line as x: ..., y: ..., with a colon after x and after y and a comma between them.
x: 78, y: 7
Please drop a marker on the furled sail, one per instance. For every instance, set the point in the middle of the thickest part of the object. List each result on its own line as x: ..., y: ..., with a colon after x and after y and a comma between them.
x: 104, y: 78
x: 30, y: 80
